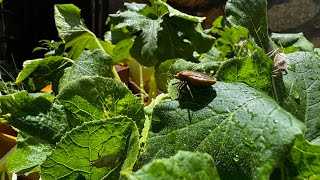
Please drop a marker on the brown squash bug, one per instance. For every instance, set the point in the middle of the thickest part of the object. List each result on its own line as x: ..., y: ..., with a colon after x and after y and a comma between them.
x: 188, y: 78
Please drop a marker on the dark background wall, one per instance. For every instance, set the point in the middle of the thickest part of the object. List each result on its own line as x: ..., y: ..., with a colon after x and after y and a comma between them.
x: 27, y: 22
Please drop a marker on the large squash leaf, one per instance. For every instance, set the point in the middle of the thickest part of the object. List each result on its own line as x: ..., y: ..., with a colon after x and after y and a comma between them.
x: 96, y: 98
x: 95, y: 150
x: 246, y: 132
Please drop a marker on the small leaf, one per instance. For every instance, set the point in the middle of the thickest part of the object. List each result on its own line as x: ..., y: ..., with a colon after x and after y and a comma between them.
x: 253, y: 16
x: 292, y: 42
x: 96, y: 98
x: 246, y: 132
x: 72, y: 29
x: 30, y: 153
x: 306, y: 158
x: 43, y: 71
x: 183, y: 165
x: 96, y: 63
x: 94, y: 150
x: 149, y: 32
x: 122, y: 50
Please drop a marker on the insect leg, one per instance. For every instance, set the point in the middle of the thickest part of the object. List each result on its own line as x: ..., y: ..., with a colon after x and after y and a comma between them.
x: 189, y: 91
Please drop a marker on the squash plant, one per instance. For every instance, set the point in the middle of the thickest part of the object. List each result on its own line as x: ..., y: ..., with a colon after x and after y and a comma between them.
x: 249, y: 125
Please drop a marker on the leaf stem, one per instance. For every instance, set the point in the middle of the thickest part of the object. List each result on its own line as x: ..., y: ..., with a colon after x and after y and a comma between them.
x: 141, y: 85
x: 153, y: 88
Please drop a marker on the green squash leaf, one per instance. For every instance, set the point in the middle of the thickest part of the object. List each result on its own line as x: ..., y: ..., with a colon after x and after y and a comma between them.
x: 122, y: 50
x: 96, y: 63
x: 292, y: 42
x: 30, y: 153
x: 228, y: 39
x: 246, y: 132
x: 94, y: 150
x: 149, y: 32
x: 161, y: 32
x: 96, y: 98
x: 302, y: 85
x: 252, y: 15
x: 183, y: 165
x: 43, y: 71
x: 72, y: 29
x: 35, y: 114
x: 306, y: 158
x: 253, y: 69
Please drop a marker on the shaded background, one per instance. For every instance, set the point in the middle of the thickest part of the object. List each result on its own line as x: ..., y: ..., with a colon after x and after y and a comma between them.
x: 24, y: 23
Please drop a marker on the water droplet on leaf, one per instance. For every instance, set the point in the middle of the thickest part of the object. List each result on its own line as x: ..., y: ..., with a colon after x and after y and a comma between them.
x: 236, y: 158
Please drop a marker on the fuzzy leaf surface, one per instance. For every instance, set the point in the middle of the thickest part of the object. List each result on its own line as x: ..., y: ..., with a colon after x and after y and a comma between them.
x: 253, y: 69
x: 302, y: 85
x: 35, y: 114
x: 94, y: 150
x: 96, y: 98
x: 30, y: 153
x: 292, y: 42
x: 306, y: 158
x: 183, y: 165
x: 246, y: 132
x: 96, y: 63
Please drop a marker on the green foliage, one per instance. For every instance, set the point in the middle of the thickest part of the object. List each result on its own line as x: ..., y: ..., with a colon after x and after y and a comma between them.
x: 244, y: 130
x: 302, y: 85
x: 30, y: 152
x: 252, y: 124
x: 94, y: 150
x: 104, y: 98
x: 183, y: 165
x: 95, y: 63
x: 74, y: 33
x: 43, y: 71
x: 160, y: 32
x: 253, y: 16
